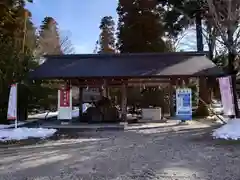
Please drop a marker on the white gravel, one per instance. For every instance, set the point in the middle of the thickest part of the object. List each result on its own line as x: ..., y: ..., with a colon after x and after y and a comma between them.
x: 165, y: 153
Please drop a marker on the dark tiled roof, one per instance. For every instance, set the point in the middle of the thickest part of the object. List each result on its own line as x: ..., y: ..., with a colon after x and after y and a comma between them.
x: 126, y: 65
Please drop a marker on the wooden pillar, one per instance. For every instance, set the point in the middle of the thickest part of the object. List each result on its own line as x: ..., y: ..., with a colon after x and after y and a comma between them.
x: 80, y: 97
x: 203, y: 92
x: 171, y: 95
x: 178, y: 83
x: 107, y: 92
x: 124, y: 102
x: 202, y: 110
x: 100, y: 91
x: 104, y: 88
x: 209, y: 91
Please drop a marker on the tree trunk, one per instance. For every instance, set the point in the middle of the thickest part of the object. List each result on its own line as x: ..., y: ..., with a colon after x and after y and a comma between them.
x: 4, y: 94
x: 211, y: 46
x: 203, y: 93
x: 231, y: 58
x: 199, y: 32
x: 231, y: 68
x: 22, y: 102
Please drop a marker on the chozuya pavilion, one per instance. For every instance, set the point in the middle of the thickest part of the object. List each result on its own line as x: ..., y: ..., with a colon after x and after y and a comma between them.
x: 125, y: 70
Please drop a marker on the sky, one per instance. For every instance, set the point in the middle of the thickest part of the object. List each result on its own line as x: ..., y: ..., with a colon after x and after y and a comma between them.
x: 78, y: 19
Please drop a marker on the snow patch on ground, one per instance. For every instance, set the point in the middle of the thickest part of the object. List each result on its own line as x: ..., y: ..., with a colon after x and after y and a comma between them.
x: 75, y: 113
x: 5, y: 126
x: 25, y: 133
x: 229, y: 131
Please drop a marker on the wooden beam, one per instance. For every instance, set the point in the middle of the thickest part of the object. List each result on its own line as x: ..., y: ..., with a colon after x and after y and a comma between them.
x: 119, y: 85
x: 133, y: 82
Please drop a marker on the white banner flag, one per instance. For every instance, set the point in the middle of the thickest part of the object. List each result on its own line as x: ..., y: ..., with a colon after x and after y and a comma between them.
x: 226, y: 95
x: 12, y: 103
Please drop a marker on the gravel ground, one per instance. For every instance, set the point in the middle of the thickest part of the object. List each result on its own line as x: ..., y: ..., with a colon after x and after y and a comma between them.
x: 165, y: 153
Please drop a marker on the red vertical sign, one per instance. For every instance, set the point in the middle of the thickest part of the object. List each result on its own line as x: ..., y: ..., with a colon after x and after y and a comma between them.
x: 65, y: 96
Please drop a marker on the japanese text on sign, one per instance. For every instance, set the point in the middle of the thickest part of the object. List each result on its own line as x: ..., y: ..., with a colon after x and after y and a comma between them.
x: 65, y: 97
x: 184, y: 103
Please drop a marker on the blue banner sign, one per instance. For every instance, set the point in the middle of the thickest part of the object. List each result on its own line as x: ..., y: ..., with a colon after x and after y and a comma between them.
x: 184, y: 103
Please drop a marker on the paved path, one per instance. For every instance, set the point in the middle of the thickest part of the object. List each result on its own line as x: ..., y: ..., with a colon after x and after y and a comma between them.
x: 165, y: 153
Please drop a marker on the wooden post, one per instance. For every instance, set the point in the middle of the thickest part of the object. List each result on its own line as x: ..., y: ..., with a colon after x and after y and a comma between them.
x: 107, y: 92
x: 124, y: 102
x: 171, y: 94
x: 80, y: 97
x: 104, y: 90
x: 204, y: 92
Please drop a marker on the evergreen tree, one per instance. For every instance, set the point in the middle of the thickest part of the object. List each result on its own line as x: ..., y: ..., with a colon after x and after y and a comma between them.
x: 15, y: 49
x: 106, y: 37
x: 49, y: 39
x: 140, y: 27
x: 50, y: 42
x: 140, y: 30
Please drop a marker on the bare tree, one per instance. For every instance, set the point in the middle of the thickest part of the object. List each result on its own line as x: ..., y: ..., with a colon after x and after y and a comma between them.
x: 225, y: 17
x: 175, y: 43
x: 52, y: 43
x: 66, y: 45
x: 95, y: 51
x: 220, y: 18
